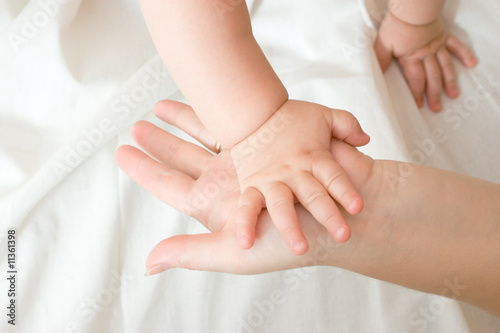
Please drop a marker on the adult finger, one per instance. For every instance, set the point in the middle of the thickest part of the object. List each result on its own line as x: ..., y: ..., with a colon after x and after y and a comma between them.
x: 171, y: 150
x: 449, y: 75
x: 281, y: 208
x: 461, y: 51
x: 204, y: 252
x: 183, y: 117
x: 169, y: 185
x: 313, y: 196
x: 434, y: 83
x: 415, y: 74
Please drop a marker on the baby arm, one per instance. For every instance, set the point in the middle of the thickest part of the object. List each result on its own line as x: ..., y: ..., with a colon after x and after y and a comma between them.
x: 213, y: 57
x: 216, y: 62
x: 415, y: 34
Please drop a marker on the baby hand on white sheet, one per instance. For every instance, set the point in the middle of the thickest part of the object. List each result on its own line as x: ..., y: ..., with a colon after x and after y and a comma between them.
x: 290, y: 155
x: 424, y: 53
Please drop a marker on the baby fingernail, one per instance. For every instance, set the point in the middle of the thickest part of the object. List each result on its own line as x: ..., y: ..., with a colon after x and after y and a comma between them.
x: 353, y: 206
x: 156, y: 269
x: 420, y: 101
x: 244, y: 242
x: 299, y: 247
x: 339, y: 234
x: 453, y: 90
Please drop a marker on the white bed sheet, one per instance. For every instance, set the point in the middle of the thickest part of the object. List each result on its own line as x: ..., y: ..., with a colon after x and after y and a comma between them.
x: 77, y: 74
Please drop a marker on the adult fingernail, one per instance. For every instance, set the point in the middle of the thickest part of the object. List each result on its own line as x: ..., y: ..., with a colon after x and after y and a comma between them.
x: 156, y: 269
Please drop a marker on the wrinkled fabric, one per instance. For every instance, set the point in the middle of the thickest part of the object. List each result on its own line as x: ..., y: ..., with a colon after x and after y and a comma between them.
x: 76, y: 74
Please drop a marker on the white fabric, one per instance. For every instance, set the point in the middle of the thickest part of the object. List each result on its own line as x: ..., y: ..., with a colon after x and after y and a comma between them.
x: 77, y: 74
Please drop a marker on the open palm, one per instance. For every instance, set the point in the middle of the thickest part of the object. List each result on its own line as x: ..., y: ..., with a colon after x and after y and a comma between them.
x: 195, y: 182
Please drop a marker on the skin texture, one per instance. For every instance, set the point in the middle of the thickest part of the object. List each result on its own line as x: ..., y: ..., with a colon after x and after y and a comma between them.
x: 421, y: 227
x: 420, y: 12
x: 215, y: 60
x: 415, y: 35
x: 213, y: 57
x: 271, y: 168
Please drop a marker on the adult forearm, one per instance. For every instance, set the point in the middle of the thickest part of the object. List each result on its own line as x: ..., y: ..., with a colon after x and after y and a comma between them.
x: 418, y: 12
x: 438, y: 229
x: 212, y: 55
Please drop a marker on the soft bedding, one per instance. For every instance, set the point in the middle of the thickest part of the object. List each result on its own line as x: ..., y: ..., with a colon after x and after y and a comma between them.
x: 76, y: 74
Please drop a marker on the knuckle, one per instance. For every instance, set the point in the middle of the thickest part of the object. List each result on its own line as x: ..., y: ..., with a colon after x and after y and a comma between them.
x: 451, y: 81
x: 315, y: 196
x: 278, y: 204
x: 434, y: 77
x: 352, y: 122
x: 330, y: 221
x: 416, y: 76
x: 446, y: 62
x: 184, y: 259
x: 288, y: 229
x: 334, y: 178
x: 244, y: 205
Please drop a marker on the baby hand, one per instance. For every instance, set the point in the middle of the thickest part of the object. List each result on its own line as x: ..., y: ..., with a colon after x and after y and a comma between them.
x: 290, y: 154
x: 424, y: 53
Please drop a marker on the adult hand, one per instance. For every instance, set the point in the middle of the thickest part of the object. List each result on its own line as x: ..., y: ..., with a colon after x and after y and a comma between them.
x: 204, y: 186
x: 420, y: 226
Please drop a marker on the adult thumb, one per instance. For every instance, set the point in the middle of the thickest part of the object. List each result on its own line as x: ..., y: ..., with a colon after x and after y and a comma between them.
x: 206, y: 252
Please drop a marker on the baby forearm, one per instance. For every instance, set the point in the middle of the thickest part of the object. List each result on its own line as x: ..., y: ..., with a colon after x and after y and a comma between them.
x: 417, y: 12
x: 212, y: 55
